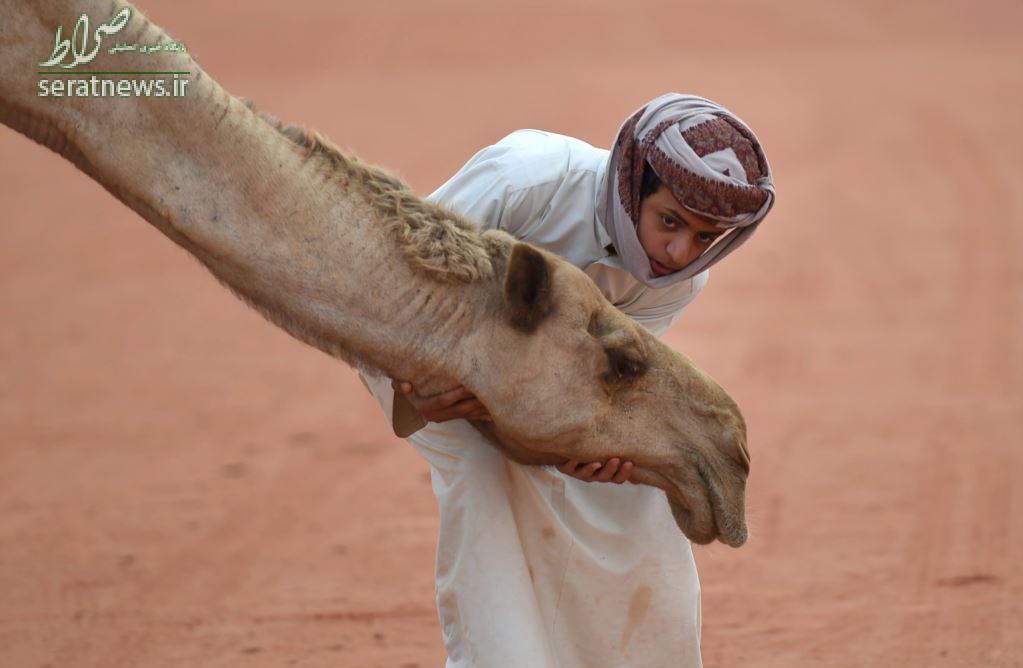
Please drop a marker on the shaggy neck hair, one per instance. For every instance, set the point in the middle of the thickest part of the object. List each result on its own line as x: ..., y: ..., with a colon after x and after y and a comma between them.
x: 435, y: 240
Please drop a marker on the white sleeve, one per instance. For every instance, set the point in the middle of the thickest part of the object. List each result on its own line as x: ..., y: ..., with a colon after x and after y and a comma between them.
x: 490, y: 191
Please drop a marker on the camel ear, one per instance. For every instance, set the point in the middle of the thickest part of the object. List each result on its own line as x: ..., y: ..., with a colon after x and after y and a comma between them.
x: 527, y: 287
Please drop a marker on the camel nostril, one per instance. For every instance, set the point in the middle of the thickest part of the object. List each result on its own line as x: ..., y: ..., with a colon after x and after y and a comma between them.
x: 744, y: 461
x: 743, y: 458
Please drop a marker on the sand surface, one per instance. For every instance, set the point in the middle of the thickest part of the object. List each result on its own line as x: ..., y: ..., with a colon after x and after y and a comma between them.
x: 182, y: 484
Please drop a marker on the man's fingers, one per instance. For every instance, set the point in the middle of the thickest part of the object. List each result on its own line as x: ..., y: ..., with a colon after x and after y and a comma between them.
x: 468, y: 407
x: 455, y: 395
x: 568, y: 468
x: 439, y: 411
x: 456, y: 410
x: 584, y: 472
x: 623, y: 473
x: 448, y: 398
x: 608, y: 471
x: 455, y: 404
x: 446, y: 402
x: 614, y: 470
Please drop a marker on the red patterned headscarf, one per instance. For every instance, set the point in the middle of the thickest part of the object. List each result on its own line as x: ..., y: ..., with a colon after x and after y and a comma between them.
x: 709, y: 159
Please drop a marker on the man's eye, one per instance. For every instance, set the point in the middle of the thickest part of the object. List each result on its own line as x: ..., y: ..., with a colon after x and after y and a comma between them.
x: 706, y: 237
x: 668, y: 222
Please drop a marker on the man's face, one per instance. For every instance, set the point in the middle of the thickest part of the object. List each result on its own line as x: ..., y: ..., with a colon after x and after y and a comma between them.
x: 672, y: 236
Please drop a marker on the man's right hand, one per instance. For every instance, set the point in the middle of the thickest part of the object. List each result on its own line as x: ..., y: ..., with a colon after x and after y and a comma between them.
x: 456, y: 404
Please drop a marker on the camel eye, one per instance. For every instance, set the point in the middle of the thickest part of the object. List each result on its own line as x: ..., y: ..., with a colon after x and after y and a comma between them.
x: 624, y: 367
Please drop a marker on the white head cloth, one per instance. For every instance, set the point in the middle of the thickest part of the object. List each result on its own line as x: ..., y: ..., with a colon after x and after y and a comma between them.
x: 710, y: 160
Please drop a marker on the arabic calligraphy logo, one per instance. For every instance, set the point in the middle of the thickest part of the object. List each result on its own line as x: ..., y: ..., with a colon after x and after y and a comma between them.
x: 79, y: 41
x: 82, y: 47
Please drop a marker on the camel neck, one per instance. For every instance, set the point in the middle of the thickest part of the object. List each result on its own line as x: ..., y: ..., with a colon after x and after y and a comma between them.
x: 298, y: 241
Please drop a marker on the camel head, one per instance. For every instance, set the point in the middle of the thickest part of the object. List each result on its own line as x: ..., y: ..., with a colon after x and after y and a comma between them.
x: 568, y: 376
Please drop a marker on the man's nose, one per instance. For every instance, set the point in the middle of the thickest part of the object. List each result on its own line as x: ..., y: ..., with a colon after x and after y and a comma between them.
x: 678, y: 250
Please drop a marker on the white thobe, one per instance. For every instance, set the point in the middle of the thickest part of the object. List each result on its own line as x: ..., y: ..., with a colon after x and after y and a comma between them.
x: 536, y: 569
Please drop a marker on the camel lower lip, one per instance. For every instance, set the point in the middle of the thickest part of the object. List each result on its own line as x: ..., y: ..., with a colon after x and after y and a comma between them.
x: 700, y: 524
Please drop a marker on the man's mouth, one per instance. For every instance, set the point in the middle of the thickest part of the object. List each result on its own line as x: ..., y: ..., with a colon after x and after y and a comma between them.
x: 660, y: 269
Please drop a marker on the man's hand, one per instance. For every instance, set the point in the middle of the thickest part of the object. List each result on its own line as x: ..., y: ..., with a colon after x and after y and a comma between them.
x: 456, y: 404
x: 461, y: 404
x: 614, y: 470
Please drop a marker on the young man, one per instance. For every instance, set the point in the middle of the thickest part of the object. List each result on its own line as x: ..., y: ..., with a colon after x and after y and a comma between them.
x: 538, y: 569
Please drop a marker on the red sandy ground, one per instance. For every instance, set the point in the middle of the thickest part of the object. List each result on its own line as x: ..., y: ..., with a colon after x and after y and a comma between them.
x: 181, y: 484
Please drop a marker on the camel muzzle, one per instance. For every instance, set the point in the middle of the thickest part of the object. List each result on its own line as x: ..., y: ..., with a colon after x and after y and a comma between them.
x: 705, y: 509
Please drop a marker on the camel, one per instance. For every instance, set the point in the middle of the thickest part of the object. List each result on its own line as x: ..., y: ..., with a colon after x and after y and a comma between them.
x: 346, y: 258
